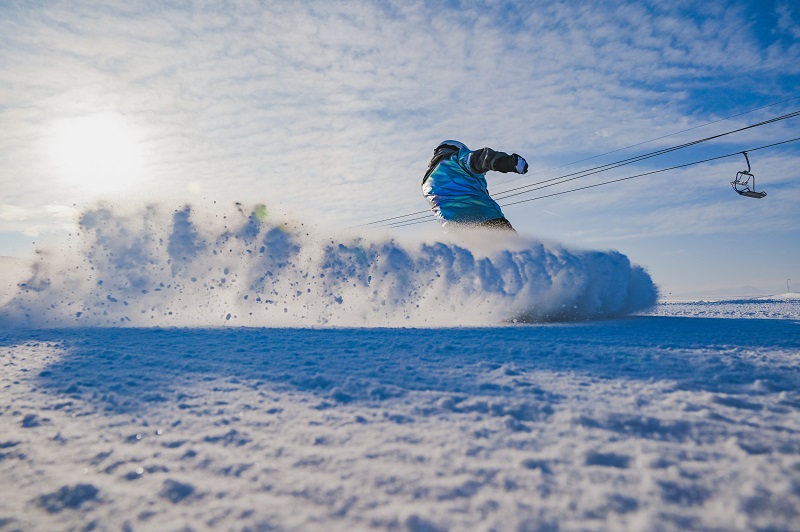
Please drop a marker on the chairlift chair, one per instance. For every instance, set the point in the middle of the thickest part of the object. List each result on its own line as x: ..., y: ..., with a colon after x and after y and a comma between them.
x: 742, y: 182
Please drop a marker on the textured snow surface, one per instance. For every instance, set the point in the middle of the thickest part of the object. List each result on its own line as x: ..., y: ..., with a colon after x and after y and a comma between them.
x: 782, y: 306
x: 155, y: 266
x: 647, y: 423
x: 116, y: 416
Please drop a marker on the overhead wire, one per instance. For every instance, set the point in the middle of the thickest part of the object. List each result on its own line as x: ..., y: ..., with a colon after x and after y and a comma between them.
x: 653, y: 172
x: 398, y: 221
x: 426, y: 211
x: 655, y: 139
x: 429, y: 219
x: 610, y: 166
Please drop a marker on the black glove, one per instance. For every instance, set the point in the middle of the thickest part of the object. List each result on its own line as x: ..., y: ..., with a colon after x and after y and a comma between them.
x: 511, y: 163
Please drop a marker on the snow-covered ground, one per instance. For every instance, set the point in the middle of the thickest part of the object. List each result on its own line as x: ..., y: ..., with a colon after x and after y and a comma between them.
x: 663, y: 420
x: 780, y: 306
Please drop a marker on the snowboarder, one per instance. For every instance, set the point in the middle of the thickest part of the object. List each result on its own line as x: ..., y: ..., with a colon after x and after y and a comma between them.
x: 455, y: 185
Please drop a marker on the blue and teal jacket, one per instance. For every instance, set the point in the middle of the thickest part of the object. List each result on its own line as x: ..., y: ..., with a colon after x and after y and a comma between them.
x: 455, y: 184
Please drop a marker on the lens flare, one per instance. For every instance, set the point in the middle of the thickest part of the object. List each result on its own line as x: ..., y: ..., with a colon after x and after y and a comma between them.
x: 97, y: 154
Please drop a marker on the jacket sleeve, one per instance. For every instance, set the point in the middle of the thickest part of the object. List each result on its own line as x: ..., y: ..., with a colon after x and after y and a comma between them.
x: 485, y: 159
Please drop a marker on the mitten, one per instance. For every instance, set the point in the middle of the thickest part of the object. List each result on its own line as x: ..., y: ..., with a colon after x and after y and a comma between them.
x: 510, y: 163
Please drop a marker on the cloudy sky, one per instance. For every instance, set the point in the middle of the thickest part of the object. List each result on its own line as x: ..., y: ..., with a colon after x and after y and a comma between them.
x: 331, y: 110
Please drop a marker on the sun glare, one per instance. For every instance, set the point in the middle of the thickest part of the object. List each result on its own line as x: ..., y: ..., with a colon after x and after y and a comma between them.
x: 97, y: 154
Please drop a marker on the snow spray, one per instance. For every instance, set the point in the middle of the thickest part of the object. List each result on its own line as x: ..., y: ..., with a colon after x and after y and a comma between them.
x: 156, y: 266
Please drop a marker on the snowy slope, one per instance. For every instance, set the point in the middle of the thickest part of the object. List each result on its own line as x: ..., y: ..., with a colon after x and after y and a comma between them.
x: 664, y: 421
x: 641, y: 424
x: 781, y: 306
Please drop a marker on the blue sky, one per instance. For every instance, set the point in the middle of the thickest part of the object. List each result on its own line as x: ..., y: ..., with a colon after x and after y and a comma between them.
x: 332, y: 109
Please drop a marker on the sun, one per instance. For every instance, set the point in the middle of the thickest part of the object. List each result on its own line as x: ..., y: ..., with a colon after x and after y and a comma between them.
x: 98, y: 154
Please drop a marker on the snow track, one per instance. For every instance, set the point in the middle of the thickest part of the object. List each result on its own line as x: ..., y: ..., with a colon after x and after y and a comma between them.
x: 651, y: 423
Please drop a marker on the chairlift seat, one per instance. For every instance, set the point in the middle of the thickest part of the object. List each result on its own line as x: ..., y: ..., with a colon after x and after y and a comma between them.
x: 752, y: 193
x: 742, y: 182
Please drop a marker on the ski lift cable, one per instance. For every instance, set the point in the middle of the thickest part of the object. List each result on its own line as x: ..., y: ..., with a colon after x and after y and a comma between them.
x: 609, y: 166
x: 608, y: 153
x: 590, y: 171
x: 655, y: 139
x: 424, y: 217
x: 431, y: 219
x: 652, y: 172
x: 388, y: 219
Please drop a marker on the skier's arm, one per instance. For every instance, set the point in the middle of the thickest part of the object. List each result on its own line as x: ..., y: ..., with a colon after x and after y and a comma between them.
x: 485, y: 159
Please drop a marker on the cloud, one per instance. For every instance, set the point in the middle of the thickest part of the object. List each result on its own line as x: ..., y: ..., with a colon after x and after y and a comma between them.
x: 37, y: 221
x: 333, y: 108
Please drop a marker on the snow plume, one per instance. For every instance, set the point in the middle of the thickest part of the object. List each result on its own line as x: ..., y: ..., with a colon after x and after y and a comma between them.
x: 158, y: 266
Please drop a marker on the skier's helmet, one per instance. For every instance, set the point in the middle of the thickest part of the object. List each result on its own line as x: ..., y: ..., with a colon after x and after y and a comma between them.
x: 454, y: 143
